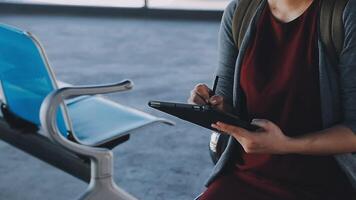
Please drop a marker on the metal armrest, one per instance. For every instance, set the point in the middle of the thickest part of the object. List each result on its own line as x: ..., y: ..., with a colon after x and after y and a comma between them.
x: 55, y: 99
x: 101, y: 183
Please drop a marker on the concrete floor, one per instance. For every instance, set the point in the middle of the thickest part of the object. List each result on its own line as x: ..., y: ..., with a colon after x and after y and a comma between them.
x: 165, y: 59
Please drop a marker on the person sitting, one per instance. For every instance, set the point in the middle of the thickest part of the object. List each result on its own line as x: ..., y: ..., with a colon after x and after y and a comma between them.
x: 281, y: 81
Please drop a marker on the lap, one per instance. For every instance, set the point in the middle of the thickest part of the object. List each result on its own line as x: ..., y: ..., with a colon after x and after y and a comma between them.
x: 245, y: 186
x: 228, y: 187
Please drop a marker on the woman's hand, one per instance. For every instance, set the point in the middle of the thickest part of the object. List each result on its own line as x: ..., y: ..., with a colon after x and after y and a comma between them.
x: 202, y: 94
x: 268, y: 139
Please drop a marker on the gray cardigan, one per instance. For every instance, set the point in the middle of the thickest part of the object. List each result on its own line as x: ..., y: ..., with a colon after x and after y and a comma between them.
x: 337, y: 84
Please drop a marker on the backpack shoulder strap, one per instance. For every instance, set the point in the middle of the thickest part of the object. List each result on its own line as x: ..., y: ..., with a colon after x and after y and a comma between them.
x: 243, y: 15
x: 332, y: 27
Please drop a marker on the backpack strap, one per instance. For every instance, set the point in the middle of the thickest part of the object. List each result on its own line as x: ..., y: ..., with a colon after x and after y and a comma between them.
x: 242, y: 18
x: 332, y: 27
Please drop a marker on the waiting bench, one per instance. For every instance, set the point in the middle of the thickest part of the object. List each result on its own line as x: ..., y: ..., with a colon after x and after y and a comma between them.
x: 64, y: 126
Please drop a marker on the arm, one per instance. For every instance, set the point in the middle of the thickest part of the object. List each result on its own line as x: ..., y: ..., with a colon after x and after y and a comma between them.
x: 270, y: 139
x: 347, y: 68
x: 335, y: 140
x: 227, y: 55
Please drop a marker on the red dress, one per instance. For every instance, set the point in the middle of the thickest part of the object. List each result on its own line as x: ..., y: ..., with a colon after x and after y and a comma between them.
x: 280, y: 79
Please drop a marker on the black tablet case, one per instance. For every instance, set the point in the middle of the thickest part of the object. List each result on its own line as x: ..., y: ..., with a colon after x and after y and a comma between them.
x: 201, y: 115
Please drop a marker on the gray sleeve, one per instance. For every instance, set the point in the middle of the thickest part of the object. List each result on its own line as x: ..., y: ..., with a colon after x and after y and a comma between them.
x: 227, y: 54
x: 347, y: 68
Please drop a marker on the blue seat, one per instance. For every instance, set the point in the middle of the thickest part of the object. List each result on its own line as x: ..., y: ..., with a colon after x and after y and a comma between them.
x: 26, y: 79
x: 115, y: 120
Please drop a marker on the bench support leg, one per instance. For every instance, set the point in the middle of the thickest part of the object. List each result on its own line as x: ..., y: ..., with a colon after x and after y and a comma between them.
x: 102, y: 184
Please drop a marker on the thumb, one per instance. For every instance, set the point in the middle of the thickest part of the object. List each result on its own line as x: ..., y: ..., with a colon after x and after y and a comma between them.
x: 216, y: 100
x: 263, y: 123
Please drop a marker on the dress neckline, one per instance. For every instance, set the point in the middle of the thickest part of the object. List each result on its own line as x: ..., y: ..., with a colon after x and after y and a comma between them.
x: 278, y: 21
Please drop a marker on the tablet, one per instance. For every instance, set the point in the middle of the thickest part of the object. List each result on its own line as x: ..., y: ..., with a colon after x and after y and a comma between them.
x: 202, y: 115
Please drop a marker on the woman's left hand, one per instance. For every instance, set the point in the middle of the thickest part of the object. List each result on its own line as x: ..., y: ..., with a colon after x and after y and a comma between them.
x: 268, y: 139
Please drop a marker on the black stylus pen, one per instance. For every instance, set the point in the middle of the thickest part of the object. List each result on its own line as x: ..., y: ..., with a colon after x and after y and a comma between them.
x: 215, y: 84
x: 214, y: 87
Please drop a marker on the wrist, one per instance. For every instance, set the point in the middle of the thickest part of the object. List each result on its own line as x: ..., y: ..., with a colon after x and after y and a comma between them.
x: 295, y: 145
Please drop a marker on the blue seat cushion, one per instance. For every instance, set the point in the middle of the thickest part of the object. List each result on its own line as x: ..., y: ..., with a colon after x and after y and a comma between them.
x: 97, y: 120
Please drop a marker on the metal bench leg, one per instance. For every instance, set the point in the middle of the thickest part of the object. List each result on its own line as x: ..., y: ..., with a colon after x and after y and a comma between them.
x: 102, y: 185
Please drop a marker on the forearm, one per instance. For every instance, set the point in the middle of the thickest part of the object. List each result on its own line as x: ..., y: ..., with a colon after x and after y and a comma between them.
x: 335, y: 140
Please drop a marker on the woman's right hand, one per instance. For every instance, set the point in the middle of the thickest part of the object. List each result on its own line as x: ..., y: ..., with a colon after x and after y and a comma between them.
x: 202, y: 94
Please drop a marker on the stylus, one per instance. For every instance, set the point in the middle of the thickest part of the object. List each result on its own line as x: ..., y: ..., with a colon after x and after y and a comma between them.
x: 215, y: 84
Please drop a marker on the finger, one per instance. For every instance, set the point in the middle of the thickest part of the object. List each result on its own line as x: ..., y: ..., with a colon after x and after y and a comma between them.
x: 216, y: 100
x: 263, y: 123
x: 203, y: 91
x: 196, y: 99
x: 237, y: 132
